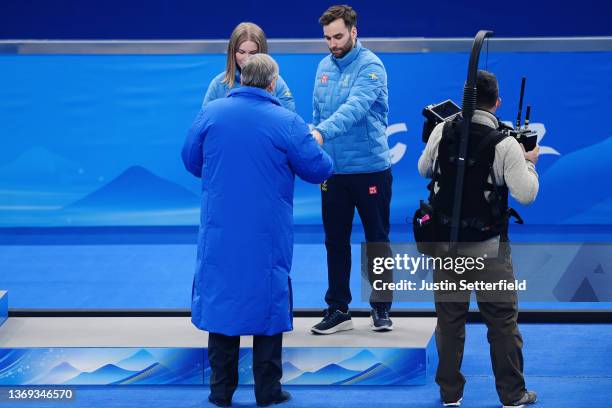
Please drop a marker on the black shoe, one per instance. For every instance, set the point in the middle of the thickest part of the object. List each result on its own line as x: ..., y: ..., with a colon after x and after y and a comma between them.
x: 381, y: 320
x: 220, y: 402
x: 528, y: 398
x: 284, y: 396
x: 333, y: 321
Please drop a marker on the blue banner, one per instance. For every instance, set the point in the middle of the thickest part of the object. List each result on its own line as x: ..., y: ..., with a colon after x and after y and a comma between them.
x: 96, y: 139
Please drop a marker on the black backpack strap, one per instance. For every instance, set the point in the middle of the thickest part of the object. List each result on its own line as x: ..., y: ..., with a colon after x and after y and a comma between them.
x: 450, y: 134
x: 510, y: 212
x: 491, y: 139
x: 434, y: 178
x: 436, y: 175
x: 513, y: 213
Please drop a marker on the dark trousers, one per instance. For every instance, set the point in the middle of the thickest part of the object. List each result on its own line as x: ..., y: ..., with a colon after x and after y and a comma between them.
x: 223, y: 352
x: 370, y: 193
x: 500, y: 312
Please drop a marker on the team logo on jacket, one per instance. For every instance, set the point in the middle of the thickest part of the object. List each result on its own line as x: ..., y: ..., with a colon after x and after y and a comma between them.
x: 345, y: 80
x: 372, y: 75
x: 324, y: 78
x: 324, y: 186
x: 373, y: 190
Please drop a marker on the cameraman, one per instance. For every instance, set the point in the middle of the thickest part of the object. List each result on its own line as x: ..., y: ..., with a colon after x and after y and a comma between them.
x: 496, y: 164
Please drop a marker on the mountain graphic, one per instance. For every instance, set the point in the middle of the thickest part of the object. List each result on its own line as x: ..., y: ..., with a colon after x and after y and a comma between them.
x: 290, y: 372
x: 154, y: 374
x: 360, y: 361
x: 137, y: 362
x: 59, y: 374
x: 40, y: 169
x: 329, y: 374
x: 104, y: 375
x: 375, y: 375
x: 137, y: 189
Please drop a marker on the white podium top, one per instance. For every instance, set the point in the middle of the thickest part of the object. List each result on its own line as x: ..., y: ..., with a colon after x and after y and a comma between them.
x: 179, y: 332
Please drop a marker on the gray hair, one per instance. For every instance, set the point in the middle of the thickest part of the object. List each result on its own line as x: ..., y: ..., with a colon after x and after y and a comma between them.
x: 259, y: 71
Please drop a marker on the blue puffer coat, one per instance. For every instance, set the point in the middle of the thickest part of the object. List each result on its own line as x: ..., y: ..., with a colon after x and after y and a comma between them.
x: 350, y: 107
x: 217, y: 89
x: 247, y: 149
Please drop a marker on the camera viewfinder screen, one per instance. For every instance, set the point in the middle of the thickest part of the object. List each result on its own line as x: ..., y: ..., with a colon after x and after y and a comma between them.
x: 446, y: 109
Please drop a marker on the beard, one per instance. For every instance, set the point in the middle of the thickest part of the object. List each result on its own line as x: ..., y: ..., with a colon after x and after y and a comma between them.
x: 342, y: 51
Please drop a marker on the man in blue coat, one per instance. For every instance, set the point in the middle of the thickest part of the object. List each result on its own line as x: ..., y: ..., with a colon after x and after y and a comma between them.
x: 350, y: 107
x: 247, y: 149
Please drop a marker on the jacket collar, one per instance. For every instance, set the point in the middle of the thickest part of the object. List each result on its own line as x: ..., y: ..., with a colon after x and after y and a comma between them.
x: 485, y: 118
x: 348, y: 58
x: 253, y: 92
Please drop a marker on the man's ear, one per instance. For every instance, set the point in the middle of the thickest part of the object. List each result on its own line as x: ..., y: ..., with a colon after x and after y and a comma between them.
x: 354, y: 32
x: 272, y: 86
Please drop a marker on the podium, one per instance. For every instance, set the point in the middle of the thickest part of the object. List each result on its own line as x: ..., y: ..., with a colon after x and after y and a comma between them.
x: 170, y: 350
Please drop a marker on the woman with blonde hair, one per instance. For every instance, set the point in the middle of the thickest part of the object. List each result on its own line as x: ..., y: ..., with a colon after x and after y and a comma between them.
x: 247, y: 39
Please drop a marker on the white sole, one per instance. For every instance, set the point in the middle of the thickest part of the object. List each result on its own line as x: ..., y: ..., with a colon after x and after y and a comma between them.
x: 347, y: 325
x: 380, y: 329
x: 453, y: 404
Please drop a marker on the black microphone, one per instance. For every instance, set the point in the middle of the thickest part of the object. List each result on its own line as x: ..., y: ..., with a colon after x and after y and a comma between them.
x: 520, y: 109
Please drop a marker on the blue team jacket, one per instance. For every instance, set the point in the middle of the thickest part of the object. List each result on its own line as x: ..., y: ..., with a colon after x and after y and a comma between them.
x: 350, y: 108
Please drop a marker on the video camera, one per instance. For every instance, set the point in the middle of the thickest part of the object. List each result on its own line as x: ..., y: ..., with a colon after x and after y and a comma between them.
x: 448, y: 111
x: 525, y: 136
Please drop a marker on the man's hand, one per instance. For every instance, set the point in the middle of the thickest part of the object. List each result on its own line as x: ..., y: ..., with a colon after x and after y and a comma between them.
x: 315, y: 133
x: 532, y: 155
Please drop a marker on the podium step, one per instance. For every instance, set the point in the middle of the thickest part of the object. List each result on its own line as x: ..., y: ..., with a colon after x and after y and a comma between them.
x: 170, y: 350
x: 3, y: 306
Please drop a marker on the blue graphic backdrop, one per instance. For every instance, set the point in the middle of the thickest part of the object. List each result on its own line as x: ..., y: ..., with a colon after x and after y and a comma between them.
x: 172, y: 365
x: 95, y: 140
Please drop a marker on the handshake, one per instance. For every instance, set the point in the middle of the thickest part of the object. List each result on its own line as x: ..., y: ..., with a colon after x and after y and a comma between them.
x: 317, y: 136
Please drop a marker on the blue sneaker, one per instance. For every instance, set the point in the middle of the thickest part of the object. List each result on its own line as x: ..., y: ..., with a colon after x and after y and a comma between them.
x: 333, y: 321
x: 380, y: 320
